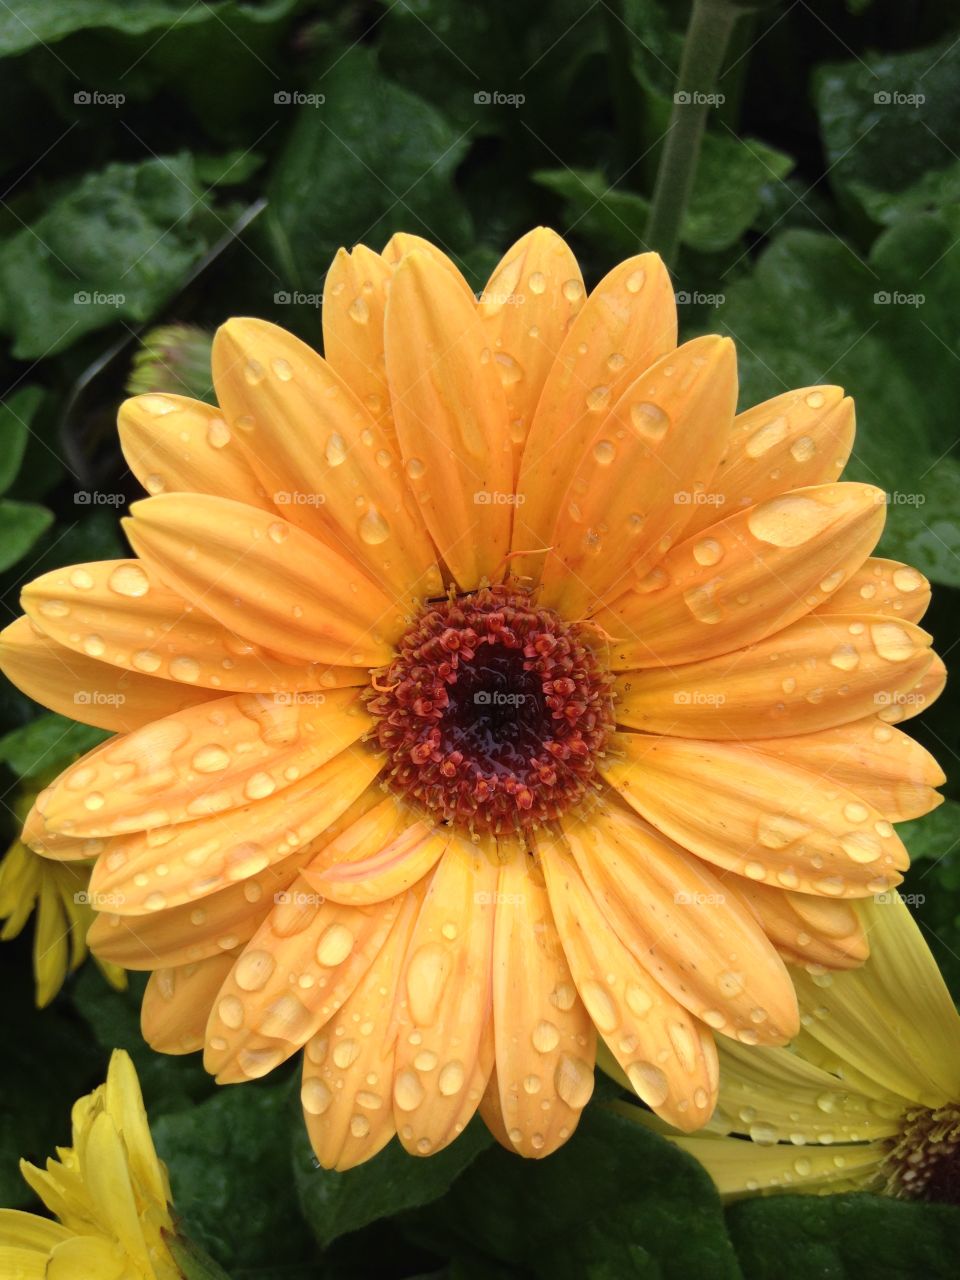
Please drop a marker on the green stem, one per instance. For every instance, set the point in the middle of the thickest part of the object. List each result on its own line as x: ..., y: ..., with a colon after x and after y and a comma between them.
x: 704, y: 48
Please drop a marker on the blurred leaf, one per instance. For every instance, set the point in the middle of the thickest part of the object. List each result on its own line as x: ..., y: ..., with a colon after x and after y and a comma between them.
x: 229, y: 1163
x: 16, y: 414
x: 21, y: 524
x: 615, y: 1201
x: 192, y: 1261
x: 337, y: 1203
x: 227, y: 170
x: 796, y: 1237
x: 370, y: 160
x: 809, y: 314
x: 933, y: 836
x: 117, y: 245
x: 932, y: 885
x: 891, y: 129
x: 47, y: 745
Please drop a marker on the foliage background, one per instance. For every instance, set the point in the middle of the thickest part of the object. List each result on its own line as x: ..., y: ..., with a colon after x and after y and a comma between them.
x: 822, y: 189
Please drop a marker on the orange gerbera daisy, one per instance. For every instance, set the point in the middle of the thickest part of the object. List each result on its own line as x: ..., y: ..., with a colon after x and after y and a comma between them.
x: 483, y: 685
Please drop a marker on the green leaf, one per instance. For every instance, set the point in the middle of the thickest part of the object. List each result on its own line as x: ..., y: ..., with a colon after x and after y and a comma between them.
x: 193, y: 1262
x: 810, y: 313
x: 370, y: 160
x: 835, y: 1237
x: 115, y: 246
x: 16, y: 414
x: 615, y: 1201
x: 229, y: 1164
x: 891, y: 130
x: 337, y: 1203
x: 21, y: 524
x: 46, y: 745
x: 935, y: 836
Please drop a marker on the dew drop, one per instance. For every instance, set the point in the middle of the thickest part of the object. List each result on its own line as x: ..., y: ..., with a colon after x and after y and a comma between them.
x: 649, y: 420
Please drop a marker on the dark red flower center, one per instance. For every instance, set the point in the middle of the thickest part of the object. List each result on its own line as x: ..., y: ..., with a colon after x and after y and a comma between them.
x: 494, y: 712
x: 924, y: 1160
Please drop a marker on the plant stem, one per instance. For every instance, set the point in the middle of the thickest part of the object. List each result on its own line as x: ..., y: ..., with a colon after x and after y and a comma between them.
x: 704, y: 48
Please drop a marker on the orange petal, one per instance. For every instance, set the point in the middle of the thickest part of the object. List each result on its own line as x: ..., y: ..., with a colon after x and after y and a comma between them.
x: 168, y: 866
x: 681, y: 923
x: 527, y: 308
x: 354, y: 301
x: 882, y: 587
x: 177, y: 1002
x: 120, y: 612
x: 221, y: 922
x: 396, y: 866
x: 199, y: 762
x: 451, y: 418
x: 886, y: 768
x: 265, y: 579
x: 444, y: 1000
x: 177, y: 445
x: 750, y: 575
x: 654, y: 435
x: 757, y: 816
x: 808, y: 930
x: 545, y: 1041
x: 348, y: 1066
x: 795, y: 440
x: 817, y: 673
x: 327, y: 465
x: 293, y: 975
x: 403, y: 243
x: 85, y: 689
x: 628, y: 322
x: 669, y: 1057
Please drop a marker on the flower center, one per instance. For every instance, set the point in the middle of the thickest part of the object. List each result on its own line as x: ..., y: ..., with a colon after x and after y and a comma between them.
x: 494, y: 712
x: 924, y: 1160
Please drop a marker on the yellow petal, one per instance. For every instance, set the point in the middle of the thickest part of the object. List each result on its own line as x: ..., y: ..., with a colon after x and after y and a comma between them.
x: 527, y: 307
x: 750, y: 575
x: 396, y: 866
x: 451, y: 418
x: 266, y: 580
x: 882, y: 586
x: 817, y: 673
x: 545, y: 1040
x: 738, y: 1167
x: 795, y: 440
x: 403, y: 243
x: 177, y: 445
x: 201, y: 762
x: 928, y: 688
x: 628, y: 322
x: 757, y: 816
x: 808, y: 930
x: 85, y: 689
x: 92, y: 1257
x: 444, y: 1001
x: 669, y: 1057
x: 683, y: 923
x: 320, y: 455
x: 28, y: 1231
x: 654, y: 436
x: 177, y: 1003
x: 354, y: 301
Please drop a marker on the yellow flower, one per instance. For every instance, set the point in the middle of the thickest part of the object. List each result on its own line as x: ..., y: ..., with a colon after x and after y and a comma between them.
x: 59, y: 893
x: 485, y: 685
x: 108, y: 1191
x: 868, y: 1095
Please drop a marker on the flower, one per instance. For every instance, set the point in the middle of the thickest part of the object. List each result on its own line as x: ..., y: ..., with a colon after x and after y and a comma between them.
x: 108, y: 1191
x: 59, y: 893
x: 867, y: 1098
x: 484, y: 685
x: 173, y: 357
